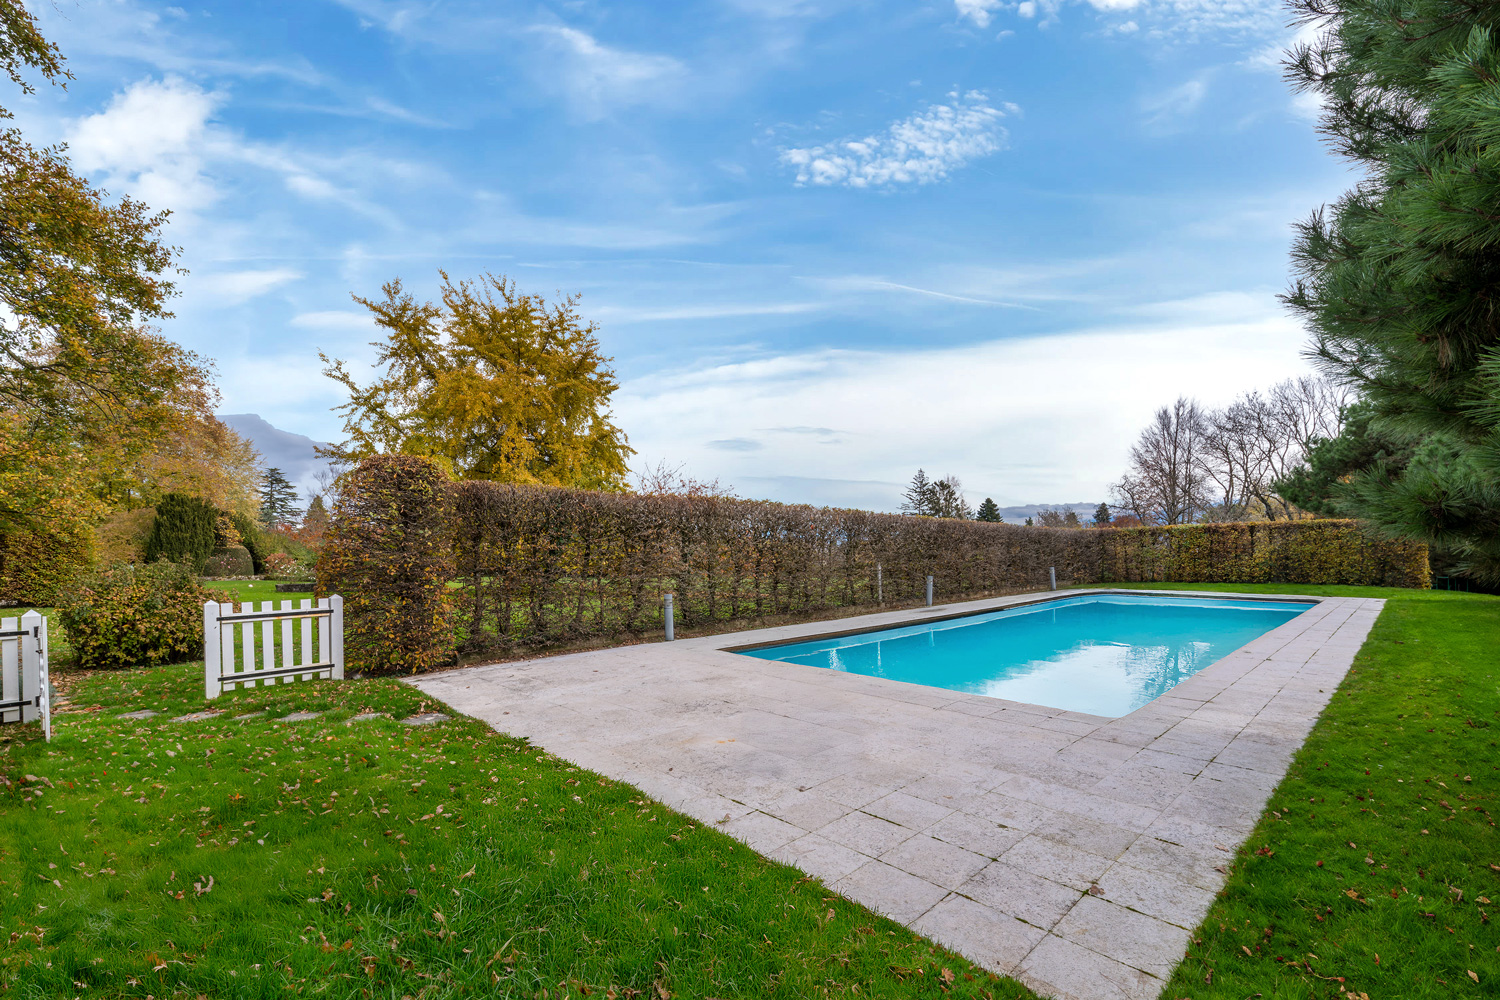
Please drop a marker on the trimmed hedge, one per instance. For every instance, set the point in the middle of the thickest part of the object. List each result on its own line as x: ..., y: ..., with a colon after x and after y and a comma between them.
x: 542, y: 565
x: 538, y: 566
x: 388, y: 553
x: 1320, y: 551
x: 128, y: 617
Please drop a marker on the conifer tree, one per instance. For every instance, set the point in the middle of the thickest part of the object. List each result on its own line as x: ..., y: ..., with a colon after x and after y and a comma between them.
x: 1102, y: 516
x: 918, y: 496
x: 278, y: 500
x: 183, y: 531
x: 989, y: 511
x: 1396, y: 279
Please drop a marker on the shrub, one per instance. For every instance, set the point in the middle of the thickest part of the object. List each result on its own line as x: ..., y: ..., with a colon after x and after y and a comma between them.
x: 136, y: 617
x: 282, y: 566
x: 38, y: 564
x: 388, y: 552
x: 253, y: 539
x: 183, y: 531
x: 229, y: 561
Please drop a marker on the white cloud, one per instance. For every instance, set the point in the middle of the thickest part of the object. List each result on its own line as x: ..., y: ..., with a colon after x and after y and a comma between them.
x: 978, y: 11
x: 151, y: 138
x: 234, y: 287
x: 920, y: 149
x: 1177, y: 102
x: 1026, y: 9
x: 1046, y: 419
x: 598, y: 77
x: 334, y: 319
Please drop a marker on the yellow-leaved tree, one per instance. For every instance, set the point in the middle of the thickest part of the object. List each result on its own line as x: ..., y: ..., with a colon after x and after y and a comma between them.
x: 491, y: 384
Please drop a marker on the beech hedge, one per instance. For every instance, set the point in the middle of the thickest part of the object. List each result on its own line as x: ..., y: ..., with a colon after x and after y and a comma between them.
x: 430, y: 568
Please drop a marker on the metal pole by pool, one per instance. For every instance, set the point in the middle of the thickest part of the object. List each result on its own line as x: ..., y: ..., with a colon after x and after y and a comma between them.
x: 1051, y: 573
x: 668, y: 617
x: 879, y: 584
x: 929, y: 591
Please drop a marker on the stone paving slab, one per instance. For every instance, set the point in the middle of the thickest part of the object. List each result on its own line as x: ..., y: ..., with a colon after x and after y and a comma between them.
x: 1071, y: 851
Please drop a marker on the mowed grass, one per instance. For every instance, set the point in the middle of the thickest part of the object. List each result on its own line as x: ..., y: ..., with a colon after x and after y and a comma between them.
x: 1376, y: 869
x: 255, y: 858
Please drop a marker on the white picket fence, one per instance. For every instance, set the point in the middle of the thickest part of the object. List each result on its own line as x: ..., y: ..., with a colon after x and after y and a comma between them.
x: 278, y: 661
x: 24, y: 693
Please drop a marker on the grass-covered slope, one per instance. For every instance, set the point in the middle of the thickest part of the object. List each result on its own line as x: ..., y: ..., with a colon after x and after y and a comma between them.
x: 1376, y: 868
x: 254, y: 858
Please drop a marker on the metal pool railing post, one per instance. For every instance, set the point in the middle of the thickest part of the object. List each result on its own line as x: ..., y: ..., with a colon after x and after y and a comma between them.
x: 667, y: 616
x: 1052, y: 575
x: 929, y: 591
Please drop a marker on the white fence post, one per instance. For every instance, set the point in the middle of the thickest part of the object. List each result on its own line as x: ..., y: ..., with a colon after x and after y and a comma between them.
x: 211, y: 668
x: 44, y: 682
x: 336, y: 623
x: 31, y: 663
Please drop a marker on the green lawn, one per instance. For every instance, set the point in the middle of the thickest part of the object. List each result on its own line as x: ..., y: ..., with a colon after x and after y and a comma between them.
x: 1374, y: 868
x: 259, y: 859
x: 377, y: 860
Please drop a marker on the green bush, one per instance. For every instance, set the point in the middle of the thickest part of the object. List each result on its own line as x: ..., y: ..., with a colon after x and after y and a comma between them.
x: 183, y: 531
x: 229, y: 561
x: 253, y: 538
x: 136, y: 617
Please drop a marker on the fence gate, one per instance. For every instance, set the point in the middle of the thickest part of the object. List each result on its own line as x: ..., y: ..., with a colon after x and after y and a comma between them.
x: 270, y: 654
x: 24, y: 694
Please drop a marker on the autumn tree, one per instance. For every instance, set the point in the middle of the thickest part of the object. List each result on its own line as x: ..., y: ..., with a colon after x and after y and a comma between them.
x: 491, y: 384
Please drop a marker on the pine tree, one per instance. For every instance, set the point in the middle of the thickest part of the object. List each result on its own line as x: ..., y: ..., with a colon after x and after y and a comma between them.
x: 989, y: 511
x: 1102, y: 516
x: 1397, y: 278
x: 183, y: 531
x: 918, y: 496
x: 278, y: 500
x: 1028, y: 523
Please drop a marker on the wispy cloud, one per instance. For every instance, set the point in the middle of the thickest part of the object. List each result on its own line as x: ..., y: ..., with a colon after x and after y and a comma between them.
x: 920, y: 149
x: 598, y: 77
x: 235, y: 287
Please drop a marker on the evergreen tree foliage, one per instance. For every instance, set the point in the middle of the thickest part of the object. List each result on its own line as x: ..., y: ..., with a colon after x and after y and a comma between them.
x: 492, y: 384
x: 1396, y: 280
x: 918, y: 496
x: 1102, y: 516
x: 947, y: 499
x: 1361, y: 448
x: 183, y: 531
x: 278, y: 500
x: 989, y: 511
x: 253, y: 539
x: 1029, y: 524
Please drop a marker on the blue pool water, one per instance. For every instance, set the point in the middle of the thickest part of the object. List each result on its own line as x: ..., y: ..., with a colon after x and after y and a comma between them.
x: 1102, y: 654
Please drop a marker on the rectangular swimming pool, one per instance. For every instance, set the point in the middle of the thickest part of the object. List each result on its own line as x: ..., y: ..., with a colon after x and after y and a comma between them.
x: 1102, y: 654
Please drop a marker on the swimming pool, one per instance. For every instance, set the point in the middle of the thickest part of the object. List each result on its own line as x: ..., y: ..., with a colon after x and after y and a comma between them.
x: 1102, y: 654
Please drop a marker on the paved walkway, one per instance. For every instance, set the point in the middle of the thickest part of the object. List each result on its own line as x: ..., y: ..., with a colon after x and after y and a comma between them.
x: 1073, y: 852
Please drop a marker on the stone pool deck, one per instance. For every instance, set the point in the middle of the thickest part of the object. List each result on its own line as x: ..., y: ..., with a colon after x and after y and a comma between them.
x: 1073, y: 852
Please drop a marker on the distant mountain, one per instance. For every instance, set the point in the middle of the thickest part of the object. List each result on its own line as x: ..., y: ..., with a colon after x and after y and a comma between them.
x: 291, y: 453
x: 1018, y: 515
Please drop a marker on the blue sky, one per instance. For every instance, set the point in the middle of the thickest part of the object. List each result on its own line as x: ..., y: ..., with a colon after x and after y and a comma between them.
x: 825, y: 242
